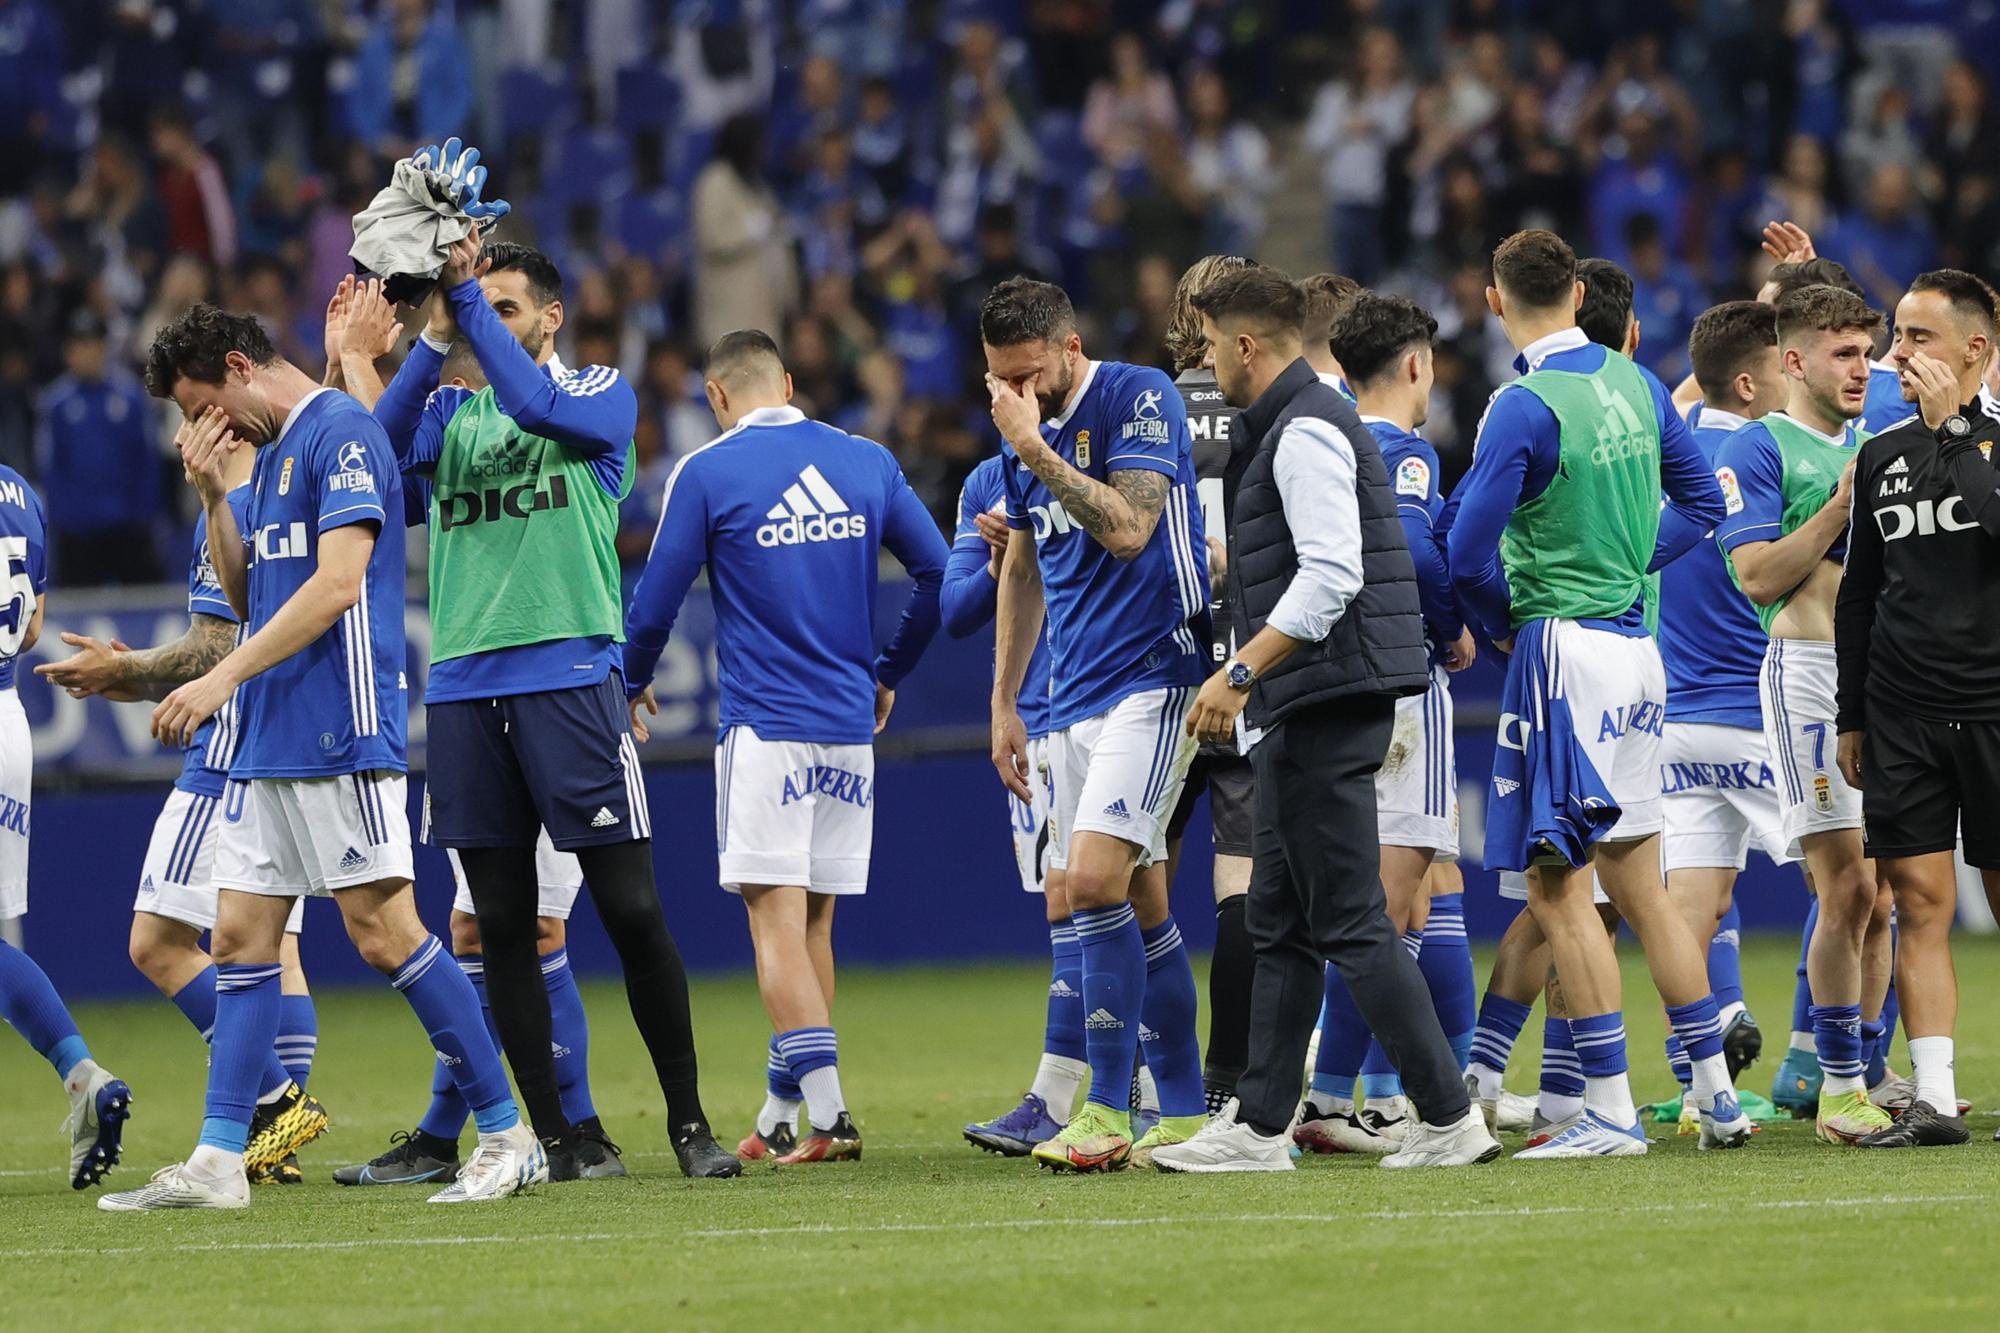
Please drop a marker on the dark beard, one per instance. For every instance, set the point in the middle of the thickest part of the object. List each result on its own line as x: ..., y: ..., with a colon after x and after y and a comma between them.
x: 1053, y: 403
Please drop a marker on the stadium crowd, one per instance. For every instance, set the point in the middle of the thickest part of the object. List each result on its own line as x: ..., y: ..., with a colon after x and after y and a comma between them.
x: 857, y: 174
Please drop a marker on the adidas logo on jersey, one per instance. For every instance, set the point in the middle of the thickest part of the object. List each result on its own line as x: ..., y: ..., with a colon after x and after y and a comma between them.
x: 603, y: 818
x: 558, y: 1050
x: 1147, y: 1034
x: 146, y: 884
x: 1102, y: 1018
x: 352, y: 860
x: 1062, y: 990
x: 1117, y: 809
x: 1900, y: 465
x: 811, y: 511
x: 1506, y: 786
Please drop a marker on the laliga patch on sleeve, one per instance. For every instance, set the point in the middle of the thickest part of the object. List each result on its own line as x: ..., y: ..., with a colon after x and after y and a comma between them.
x: 1413, y: 477
x: 1732, y: 494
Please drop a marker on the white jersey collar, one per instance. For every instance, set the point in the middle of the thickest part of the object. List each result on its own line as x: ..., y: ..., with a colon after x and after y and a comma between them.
x: 1546, y: 346
x: 1061, y: 419
x: 293, y: 415
x: 1846, y: 431
x: 1722, y: 419
x: 771, y: 416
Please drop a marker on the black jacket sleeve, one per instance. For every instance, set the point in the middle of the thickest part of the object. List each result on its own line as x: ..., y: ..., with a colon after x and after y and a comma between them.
x: 1854, y: 609
x: 1976, y: 480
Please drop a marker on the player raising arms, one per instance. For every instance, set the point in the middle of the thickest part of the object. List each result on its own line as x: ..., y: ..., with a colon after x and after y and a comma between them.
x: 175, y: 903
x: 316, y: 801
x: 1559, y: 525
x: 98, y: 1103
x: 1100, y: 472
x: 1787, y: 481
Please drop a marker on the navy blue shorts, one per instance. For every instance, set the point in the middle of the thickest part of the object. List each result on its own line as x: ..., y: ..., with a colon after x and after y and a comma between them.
x: 503, y: 769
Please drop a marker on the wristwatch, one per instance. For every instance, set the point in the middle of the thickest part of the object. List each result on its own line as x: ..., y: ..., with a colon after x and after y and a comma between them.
x: 1953, y: 428
x: 1238, y: 674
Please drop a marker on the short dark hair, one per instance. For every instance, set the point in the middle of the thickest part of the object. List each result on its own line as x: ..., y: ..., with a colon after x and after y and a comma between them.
x: 196, y: 346
x: 1726, y: 339
x: 545, y: 282
x: 1824, y: 309
x: 1022, y: 310
x: 1263, y: 296
x: 741, y: 350
x: 1814, y: 272
x: 1536, y: 266
x: 1606, y: 312
x: 1374, y: 332
x: 1327, y: 297
x: 1969, y: 295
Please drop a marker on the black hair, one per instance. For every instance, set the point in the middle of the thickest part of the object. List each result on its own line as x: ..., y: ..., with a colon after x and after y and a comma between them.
x: 1814, y: 272
x: 1260, y: 295
x: 545, y: 282
x: 1968, y: 294
x: 1022, y: 310
x: 733, y: 351
x: 1606, y: 312
x: 196, y: 346
x: 1374, y: 332
x: 1726, y: 338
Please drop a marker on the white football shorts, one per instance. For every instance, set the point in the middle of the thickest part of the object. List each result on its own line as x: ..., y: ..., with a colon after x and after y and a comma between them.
x: 313, y: 836
x: 1719, y: 797
x: 794, y: 813
x: 1416, y: 789
x: 1797, y: 688
x: 177, y: 878
x: 1030, y: 820
x: 1120, y: 773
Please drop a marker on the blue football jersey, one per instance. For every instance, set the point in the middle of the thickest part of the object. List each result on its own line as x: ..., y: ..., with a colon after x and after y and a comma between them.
x: 206, y: 763
x: 337, y: 705
x: 985, y: 492
x: 1709, y: 637
x: 1885, y: 405
x: 1754, y: 495
x: 1117, y: 627
x: 790, y: 517
x: 1412, y: 465
x: 24, y: 545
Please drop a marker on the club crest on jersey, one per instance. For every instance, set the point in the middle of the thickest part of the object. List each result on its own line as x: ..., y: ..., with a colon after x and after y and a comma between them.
x: 285, y: 477
x: 1083, y: 448
x: 1413, y: 477
x: 1732, y: 490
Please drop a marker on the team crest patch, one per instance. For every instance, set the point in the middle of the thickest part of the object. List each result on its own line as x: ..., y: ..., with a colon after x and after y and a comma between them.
x: 1732, y: 493
x: 1413, y: 477
x: 285, y: 478
x: 1083, y: 448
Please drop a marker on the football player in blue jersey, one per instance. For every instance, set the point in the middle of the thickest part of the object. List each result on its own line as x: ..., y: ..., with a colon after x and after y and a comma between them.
x: 99, y: 1103
x: 1100, y: 474
x: 316, y: 798
x: 1383, y: 343
x: 790, y: 517
x: 175, y: 903
x: 971, y: 588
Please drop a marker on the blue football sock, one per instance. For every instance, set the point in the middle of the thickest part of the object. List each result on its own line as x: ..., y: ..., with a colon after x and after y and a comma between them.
x: 1562, y: 1068
x: 1062, y: 1032
x: 1379, y: 1079
x: 1698, y: 1026
x: 196, y: 1001
x: 445, y: 1117
x: 814, y: 1057
x: 1343, y: 1042
x: 298, y: 1036
x: 1499, y: 1027
x: 28, y: 1001
x: 246, y: 1032
x: 1802, y: 988
x: 1678, y: 1063
x: 779, y: 1080
x: 1836, y: 1030
x: 1600, y: 1044
x: 1114, y: 992
x: 1725, y: 959
x: 448, y: 1007
x: 1167, y: 1021
x: 570, y: 1031
x: 1446, y: 962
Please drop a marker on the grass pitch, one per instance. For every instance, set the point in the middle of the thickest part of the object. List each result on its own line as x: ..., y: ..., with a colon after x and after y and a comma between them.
x: 928, y: 1233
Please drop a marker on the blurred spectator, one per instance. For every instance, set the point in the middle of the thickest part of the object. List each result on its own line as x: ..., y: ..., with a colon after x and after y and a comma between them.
x: 992, y: 160
x: 1886, y: 242
x: 882, y: 140
x: 744, y: 275
x: 1229, y: 164
x: 1638, y: 176
x: 1127, y: 106
x: 1886, y: 136
x: 1665, y: 299
x: 673, y: 393
x: 1356, y: 121
x: 201, y: 220
x: 411, y: 81
x: 1964, y: 137
x: 99, y: 466
x: 31, y: 102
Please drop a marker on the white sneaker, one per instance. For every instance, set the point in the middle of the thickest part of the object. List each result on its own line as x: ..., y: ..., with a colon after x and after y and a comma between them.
x: 510, y: 1162
x: 1513, y: 1113
x: 1591, y: 1136
x: 1724, y: 1125
x: 1461, y: 1144
x: 1225, y: 1144
x: 1894, y: 1094
x: 1339, y: 1132
x: 98, y: 1108
x: 1390, y: 1117
x: 172, y: 1187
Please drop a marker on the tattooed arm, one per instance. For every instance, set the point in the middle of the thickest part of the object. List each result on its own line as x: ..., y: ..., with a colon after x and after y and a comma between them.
x: 1120, y: 513
x: 127, y: 675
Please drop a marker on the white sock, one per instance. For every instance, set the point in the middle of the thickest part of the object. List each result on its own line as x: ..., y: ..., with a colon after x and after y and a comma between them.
x: 777, y: 1111
x: 274, y: 1094
x: 1557, y: 1107
x: 1730, y: 1010
x: 213, y: 1166
x: 1803, y: 1041
x: 1612, y: 1099
x: 1931, y: 1060
x: 823, y: 1099
x: 1711, y: 1076
x: 1839, y: 1086
x: 1490, y: 1081
x: 1058, y: 1079
x: 1149, y: 1092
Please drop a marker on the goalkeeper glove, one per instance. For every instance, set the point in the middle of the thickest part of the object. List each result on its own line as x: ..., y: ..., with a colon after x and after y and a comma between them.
x: 455, y: 174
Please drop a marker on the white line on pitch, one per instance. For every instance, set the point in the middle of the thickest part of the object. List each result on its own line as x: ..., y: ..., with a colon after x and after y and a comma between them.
x: 1007, y: 1224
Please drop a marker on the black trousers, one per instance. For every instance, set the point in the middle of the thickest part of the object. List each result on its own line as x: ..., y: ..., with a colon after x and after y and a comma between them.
x: 1316, y: 897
